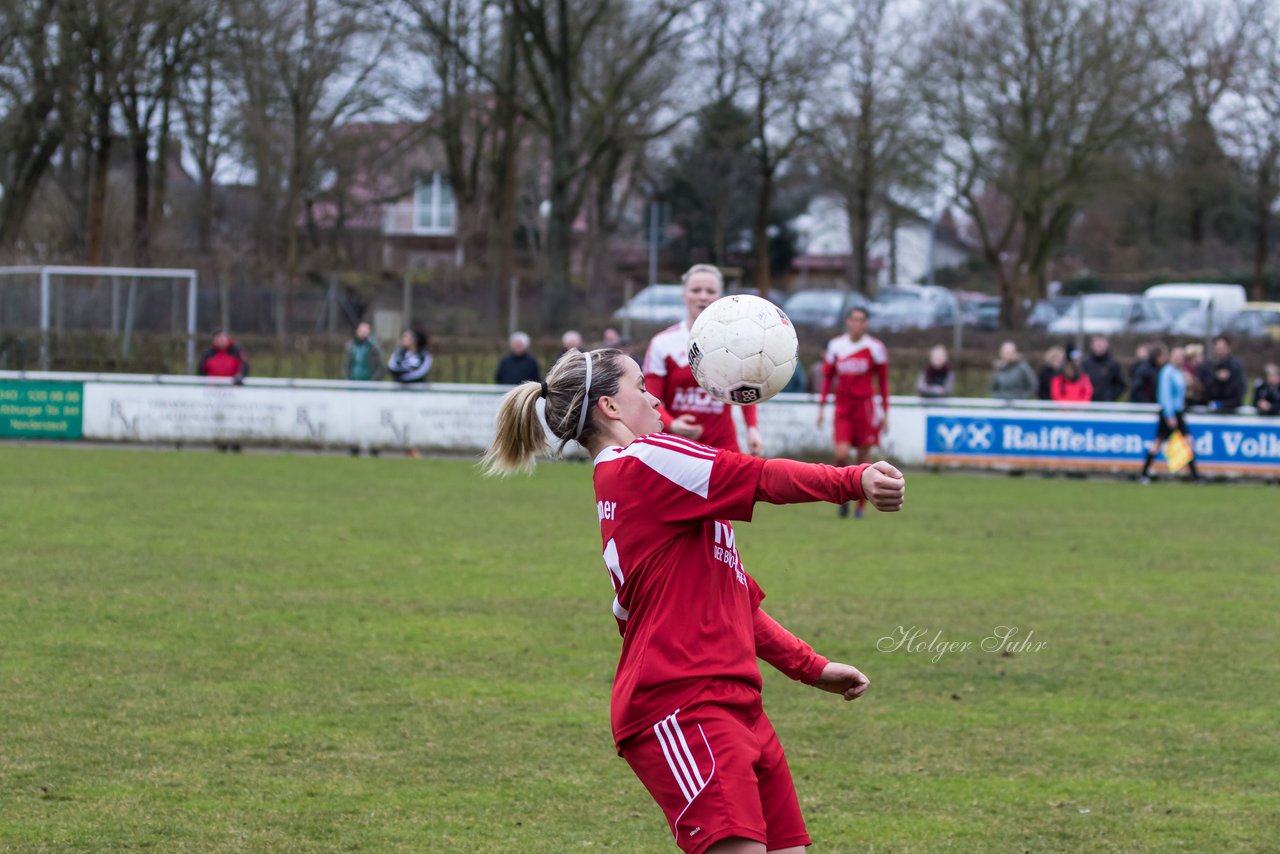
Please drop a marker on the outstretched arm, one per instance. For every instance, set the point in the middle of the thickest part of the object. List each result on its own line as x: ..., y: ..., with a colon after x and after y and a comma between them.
x: 791, y: 482
x: 797, y: 660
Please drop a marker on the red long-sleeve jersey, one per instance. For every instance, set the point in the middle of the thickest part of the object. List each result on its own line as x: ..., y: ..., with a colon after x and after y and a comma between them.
x: 687, y: 610
x: 855, y: 363
x: 669, y: 378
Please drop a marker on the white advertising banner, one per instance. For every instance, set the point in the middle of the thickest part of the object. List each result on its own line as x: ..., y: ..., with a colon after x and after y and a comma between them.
x: 956, y: 432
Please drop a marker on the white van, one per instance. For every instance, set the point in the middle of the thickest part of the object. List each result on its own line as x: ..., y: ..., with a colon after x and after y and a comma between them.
x: 1176, y: 299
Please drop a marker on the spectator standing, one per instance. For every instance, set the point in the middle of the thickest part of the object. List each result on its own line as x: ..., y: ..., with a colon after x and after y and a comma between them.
x: 362, y: 358
x: 1223, y: 379
x: 936, y: 378
x: 224, y: 359
x: 1172, y: 397
x: 609, y: 339
x: 1192, y: 367
x: 570, y: 340
x: 1050, y: 368
x: 518, y: 365
x: 1104, y: 371
x: 1146, y: 376
x: 1266, y: 392
x: 1073, y: 384
x: 1013, y: 378
x: 410, y: 362
x: 855, y: 358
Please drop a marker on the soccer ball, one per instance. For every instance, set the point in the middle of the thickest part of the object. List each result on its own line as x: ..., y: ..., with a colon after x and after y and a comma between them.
x: 743, y: 349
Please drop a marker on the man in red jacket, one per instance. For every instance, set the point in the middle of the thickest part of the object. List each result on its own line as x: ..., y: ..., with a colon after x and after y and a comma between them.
x: 224, y: 359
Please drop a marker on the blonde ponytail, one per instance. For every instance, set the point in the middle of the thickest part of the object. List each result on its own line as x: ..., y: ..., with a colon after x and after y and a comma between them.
x: 520, y: 437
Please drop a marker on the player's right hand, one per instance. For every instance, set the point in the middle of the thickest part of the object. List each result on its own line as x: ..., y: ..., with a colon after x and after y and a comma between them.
x: 686, y: 426
x: 884, y: 486
x: 821, y: 416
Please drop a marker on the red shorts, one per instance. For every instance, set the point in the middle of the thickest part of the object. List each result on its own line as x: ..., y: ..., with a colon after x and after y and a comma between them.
x: 857, y: 422
x: 718, y: 772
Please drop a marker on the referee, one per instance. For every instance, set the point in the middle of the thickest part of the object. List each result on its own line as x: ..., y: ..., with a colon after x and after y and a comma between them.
x: 1172, y: 397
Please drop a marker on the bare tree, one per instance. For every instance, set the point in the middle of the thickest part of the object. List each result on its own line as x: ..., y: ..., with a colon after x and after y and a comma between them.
x: 471, y: 105
x: 1029, y: 97
x: 36, y: 55
x: 1251, y: 121
x: 585, y: 109
x: 870, y: 142
x: 305, y: 68
x: 775, y: 52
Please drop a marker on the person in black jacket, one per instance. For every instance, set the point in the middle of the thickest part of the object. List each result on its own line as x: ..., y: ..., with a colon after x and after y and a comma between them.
x: 1104, y: 371
x: 411, y: 361
x: 1223, y: 378
x: 1145, y: 377
x: 1050, y: 368
x: 1266, y: 392
x: 518, y: 365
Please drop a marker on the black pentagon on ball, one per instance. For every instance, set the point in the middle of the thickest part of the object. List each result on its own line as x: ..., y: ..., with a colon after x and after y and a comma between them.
x: 745, y: 394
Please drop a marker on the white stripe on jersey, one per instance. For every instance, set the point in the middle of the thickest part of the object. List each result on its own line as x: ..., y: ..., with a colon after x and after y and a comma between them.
x: 680, y: 443
x: 683, y: 468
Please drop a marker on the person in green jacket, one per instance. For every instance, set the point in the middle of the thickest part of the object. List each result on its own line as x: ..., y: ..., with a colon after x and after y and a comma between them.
x: 1013, y: 378
x: 362, y: 358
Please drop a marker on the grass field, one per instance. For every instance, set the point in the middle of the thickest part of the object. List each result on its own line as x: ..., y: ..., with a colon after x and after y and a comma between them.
x: 315, y: 653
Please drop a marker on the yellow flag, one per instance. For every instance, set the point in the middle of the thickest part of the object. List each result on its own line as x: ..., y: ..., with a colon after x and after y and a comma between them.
x: 1177, y: 451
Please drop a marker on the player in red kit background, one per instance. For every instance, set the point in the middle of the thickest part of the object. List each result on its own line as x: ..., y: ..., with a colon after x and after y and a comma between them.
x: 852, y: 360
x: 686, y: 707
x: 687, y: 410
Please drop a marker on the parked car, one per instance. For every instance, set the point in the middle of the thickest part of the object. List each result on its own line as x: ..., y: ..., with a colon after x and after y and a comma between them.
x: 822, y: 308
x: 659, y: 304
x: 1195, y: 322
x: 1256, y: 320
x: 913, y: 307
x: 979, y: 310
x: 1177, y: 298
x: 1046, y: 311
x: 1111, y: 314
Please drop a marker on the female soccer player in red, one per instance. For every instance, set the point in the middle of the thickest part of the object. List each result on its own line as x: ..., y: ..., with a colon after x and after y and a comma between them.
x: 686, y: 708
x: 686, y: 408
x: 852, y: 360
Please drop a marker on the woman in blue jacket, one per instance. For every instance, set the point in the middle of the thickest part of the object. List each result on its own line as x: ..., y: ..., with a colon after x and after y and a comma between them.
x: 1171, y: 394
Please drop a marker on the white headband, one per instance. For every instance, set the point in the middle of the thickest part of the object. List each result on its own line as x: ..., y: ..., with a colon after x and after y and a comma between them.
x: 586, y: 399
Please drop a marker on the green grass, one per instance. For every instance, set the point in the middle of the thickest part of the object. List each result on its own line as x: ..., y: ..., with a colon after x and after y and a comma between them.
x: 315, y: 653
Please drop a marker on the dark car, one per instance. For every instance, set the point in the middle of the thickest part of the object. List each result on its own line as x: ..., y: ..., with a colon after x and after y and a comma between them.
x: 822, y: 308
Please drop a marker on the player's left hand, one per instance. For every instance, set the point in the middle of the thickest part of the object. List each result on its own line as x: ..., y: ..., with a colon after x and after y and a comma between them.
x: 843, y: 679
x: 755, y: 444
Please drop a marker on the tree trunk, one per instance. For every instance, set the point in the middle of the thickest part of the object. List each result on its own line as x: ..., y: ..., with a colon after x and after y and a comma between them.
x: 98, y: 170
x: 140, y: 151
x: 1263, y: 199
x: 860, y: 238
x: 763, y: 273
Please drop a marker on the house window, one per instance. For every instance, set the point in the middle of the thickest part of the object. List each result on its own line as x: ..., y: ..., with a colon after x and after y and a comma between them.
x: 434, y: 209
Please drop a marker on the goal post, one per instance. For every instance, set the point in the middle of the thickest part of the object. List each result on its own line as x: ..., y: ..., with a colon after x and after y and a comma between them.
x: 123, y: 319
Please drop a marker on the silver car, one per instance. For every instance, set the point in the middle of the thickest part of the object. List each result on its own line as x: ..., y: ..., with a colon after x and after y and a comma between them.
x: 1111, y: 314
x: 659, y: 304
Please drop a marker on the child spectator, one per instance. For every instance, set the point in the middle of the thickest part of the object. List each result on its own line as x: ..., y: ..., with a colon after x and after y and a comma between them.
x: 936, y: 379
x: 224, y: 359
x: 1072, y: 385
